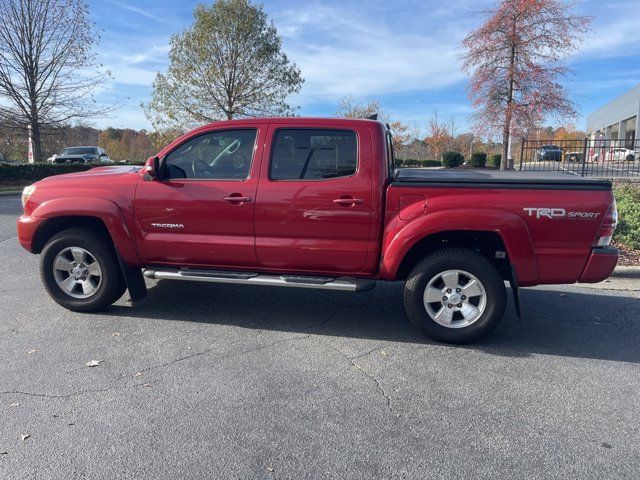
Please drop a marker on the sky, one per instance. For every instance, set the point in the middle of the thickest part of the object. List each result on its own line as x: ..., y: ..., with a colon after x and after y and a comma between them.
x: 403, y: 53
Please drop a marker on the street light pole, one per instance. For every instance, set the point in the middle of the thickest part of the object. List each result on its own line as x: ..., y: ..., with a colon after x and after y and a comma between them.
x: 30, y: 145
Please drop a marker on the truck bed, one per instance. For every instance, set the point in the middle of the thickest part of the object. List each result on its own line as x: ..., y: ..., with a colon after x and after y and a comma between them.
x: 422, y: 177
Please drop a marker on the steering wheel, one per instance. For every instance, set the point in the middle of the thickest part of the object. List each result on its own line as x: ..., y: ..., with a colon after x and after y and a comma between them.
x: 239, y: 160
x: 200, y: 168
x: 231, y: 148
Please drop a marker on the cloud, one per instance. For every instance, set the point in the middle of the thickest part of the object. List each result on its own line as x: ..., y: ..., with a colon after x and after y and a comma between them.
x: 135, y: 67
x: 155, y: 54
x: 139, y: 11
x: 345, y: 51
x: 403, y: 53
x: 619, y: 38
x: 129, y: 115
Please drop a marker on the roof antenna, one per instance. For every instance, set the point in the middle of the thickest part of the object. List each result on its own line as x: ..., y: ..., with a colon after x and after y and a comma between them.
x: 373, y: 117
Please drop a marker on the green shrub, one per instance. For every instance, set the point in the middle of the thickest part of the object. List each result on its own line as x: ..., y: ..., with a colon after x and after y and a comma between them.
x: 452, y: 159
x: 478, y: 159
x: 495, y: 160
x: 412, y: 162
x: 628, y: 201
x: 32, y: 172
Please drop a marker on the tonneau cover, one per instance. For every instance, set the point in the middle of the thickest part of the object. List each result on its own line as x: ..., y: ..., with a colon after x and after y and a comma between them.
x: 495, y: 179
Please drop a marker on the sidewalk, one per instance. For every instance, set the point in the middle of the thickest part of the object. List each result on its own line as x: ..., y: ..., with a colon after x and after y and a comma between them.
x: 626, y: 272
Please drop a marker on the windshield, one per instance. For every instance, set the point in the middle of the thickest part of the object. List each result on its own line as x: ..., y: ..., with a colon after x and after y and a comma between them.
x: 80, y: 151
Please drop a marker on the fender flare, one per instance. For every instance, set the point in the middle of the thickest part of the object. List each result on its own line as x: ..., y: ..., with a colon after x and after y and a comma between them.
x: 105, y: 210
x: 509, y: 226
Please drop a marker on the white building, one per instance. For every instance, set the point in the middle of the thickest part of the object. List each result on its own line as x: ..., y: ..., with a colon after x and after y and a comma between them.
x: 618, y: 119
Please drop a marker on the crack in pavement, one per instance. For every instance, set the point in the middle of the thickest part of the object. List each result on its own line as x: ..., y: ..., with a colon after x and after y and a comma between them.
x: 370, y: 376
x: 73, y: 394
x: 363, y: 354
x: 156, y: 367
x: 237, y: 354
x: 177, y: 360
x: 225, y: 357
x: 166, y: 365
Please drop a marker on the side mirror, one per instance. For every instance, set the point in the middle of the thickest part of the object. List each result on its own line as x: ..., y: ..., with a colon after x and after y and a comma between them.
x: 103, y: 154
x: 153, y: 167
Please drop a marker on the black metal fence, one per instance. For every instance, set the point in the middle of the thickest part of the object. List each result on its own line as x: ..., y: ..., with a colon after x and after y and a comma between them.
x: 583, y: 157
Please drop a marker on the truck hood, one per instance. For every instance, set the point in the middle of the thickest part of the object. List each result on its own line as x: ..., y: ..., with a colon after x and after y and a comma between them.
x: 99, y: 182
x: 116, y: 184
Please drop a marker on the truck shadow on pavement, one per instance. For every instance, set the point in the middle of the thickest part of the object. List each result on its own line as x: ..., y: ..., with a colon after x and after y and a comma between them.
x: 573, y: 323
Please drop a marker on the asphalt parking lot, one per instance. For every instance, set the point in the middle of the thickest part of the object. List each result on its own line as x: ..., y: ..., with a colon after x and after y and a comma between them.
x: 222, y: 381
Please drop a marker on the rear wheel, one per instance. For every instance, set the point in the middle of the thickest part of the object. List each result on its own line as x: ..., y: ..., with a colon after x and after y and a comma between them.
x: 455, y: 295
x: 80, y: 270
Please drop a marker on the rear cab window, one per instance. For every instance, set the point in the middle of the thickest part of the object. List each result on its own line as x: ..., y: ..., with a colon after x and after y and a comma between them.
x: 313, y: 154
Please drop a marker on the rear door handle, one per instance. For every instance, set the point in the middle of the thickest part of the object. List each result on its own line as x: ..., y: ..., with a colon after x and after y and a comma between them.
x: 237, y: 198
x: 348, y: 201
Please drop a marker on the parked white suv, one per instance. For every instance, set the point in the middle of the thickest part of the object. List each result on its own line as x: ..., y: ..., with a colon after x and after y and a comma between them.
x: 616, y: 155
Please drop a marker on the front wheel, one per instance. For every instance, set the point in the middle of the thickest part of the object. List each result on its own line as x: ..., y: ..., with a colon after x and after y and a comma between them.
x: 80, y: 270
x: 455, y: 295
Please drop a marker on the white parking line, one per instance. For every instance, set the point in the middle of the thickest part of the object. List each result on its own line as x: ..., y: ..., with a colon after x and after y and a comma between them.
x: 625, y: 171
x: 569, y: 171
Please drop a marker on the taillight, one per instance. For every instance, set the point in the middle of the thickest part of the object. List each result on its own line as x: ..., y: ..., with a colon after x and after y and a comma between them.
x: 608, y: 226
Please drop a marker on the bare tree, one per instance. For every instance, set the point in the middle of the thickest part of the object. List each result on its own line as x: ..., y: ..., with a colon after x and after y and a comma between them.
x: 439, y: 135
x: 47, y: 65
x: 349, y: 107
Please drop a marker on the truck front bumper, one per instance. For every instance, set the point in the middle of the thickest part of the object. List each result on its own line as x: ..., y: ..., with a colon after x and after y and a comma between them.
x: 27, y: 227
x: 600, y: 265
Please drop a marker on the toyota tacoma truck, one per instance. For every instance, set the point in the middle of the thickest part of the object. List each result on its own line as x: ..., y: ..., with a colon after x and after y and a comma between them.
x: 317, y: 203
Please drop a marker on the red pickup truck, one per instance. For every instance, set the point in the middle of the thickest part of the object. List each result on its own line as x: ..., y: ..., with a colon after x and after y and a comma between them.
x: 316, y: 203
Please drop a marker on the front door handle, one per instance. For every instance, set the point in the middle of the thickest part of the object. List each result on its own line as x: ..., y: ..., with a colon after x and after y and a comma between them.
x: 348, y: 201
x: 237, y: 198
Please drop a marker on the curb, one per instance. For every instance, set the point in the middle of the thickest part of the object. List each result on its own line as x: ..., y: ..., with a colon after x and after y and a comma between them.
x: 11, y: 193
x: 626, y: 272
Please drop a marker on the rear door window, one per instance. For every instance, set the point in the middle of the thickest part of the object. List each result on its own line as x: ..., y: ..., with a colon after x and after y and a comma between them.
x: 313, y: 154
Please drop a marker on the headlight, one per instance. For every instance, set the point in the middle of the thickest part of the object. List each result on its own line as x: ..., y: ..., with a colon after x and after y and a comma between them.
x: 26, y: 193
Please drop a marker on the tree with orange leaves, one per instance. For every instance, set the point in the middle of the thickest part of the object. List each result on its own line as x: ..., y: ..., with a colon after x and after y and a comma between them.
x: 514, y: 60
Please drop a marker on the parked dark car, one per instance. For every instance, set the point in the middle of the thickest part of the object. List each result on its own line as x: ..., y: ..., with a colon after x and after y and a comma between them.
x: 549, y: 152
x: 81, y: 155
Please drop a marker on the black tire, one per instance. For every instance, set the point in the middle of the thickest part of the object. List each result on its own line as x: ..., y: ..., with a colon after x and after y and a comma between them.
x: 111, y: 285
x: 630, y: 158
x: 455, y: 259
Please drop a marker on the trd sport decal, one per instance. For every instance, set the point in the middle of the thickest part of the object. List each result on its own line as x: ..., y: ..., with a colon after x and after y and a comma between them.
x: 558, y: 213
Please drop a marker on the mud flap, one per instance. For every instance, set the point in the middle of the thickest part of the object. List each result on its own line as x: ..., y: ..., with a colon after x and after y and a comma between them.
x: 513, y: 283
x: 134, y: 280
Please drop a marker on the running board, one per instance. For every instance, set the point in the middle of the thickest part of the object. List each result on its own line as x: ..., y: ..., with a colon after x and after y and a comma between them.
x: 247, y: 278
